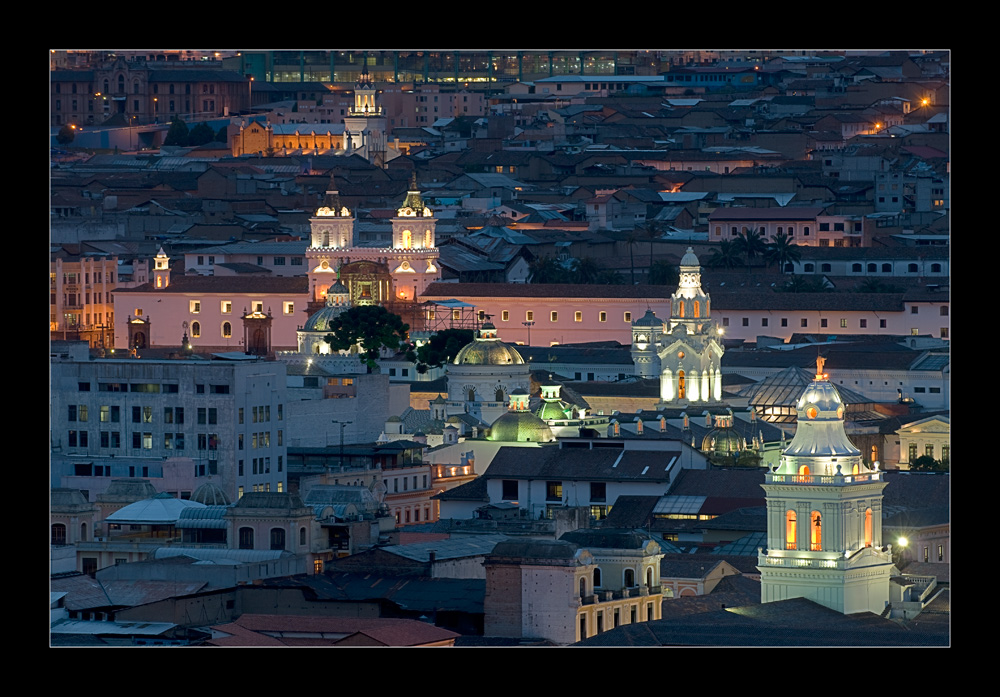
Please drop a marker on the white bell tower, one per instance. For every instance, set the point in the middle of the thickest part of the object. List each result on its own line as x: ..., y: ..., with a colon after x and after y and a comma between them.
x: 824, y: 514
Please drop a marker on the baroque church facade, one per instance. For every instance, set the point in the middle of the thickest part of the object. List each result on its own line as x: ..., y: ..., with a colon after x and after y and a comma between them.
x: 685, y: 351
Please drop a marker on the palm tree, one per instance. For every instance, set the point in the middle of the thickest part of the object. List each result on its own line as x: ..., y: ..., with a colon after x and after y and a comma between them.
x: 804, y: 284
x: 585, y: 270
x: 781, y: 251
x: 662, y: 273
x: 750, y: 244
x: 727, y: 256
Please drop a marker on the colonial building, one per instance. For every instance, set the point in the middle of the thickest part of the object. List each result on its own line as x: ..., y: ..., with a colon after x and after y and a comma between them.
x: 824, y: 514
x: 483, y: 375
x: 686, y: 351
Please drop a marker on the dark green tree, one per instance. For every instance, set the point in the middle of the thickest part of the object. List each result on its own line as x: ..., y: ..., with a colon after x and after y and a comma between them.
x: 726, y: 256
x: 876, y: 285
x: 750, y: 244
x: 585, y: 270
x: 926, y: 463
x: 200, y: 134
x: 609, y: 277
x: 66, y: 135
x: 803, y: 284
x: 222, y: 135
x: 546, y: 270
x: 663, y: 273
x: 368, y: 329
x: 781, y: 251
x: 442, y: 348
x: 178, y: 133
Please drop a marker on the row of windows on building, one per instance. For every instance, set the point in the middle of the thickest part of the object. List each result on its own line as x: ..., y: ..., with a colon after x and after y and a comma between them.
x: 276, y: 538
x: 529, y: 316
x: 171, y: 415
x: 260, y: 465
x: 929, y: 451
x: 152, y: 388
x: 141, y: 440
x: 404, y: 516
x: 871, y: 268
x: 226, y: 307
x: 276, y: 261
x: 265, y: 487
x: 72, y: 278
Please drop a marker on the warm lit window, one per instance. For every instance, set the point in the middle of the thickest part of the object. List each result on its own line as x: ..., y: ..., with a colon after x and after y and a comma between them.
x: 868, y: 528
x: 554, y: 316
x: 227, y: 330
x: 577, y: 316
x: 790, y: 530
x: 195, y: 330
x: 602, y: 317
x: 529, y: 316
x: 195, y: 306
x: 288, y: 308
x: 815, y: 532
x: 628, y: 316
x: 505, y: 315
x: 227, y: 307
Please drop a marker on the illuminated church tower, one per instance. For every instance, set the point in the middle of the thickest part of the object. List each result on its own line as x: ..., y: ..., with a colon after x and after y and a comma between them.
x: 414, y: 257
x: 365, y: 123
x: 331, y: 236
x: 690, y: 349
x: 824, y: 514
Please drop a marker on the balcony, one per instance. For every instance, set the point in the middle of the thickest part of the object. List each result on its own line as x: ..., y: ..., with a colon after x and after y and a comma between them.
x: 830, y: 480
x: 606, y: 596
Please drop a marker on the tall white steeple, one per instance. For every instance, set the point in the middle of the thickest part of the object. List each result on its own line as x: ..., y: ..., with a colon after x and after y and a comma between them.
x: 824, y: 514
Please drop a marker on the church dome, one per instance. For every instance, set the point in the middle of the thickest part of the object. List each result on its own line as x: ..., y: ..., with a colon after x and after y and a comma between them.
x: 520, y: 427
x: 648, y: 320
x: 689, y: 258
x: 322, y: 320
x: 210, y: 494
x: 723, y: 440
x: 487, y: 349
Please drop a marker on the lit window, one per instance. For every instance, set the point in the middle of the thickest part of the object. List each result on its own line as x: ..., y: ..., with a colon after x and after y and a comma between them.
x: 815, y: 532
x: 505, y: 315
x: 288, y: 308
x: 628, y: 316
x: 195, y: 306
x: 195, y: 330
x: 554, y: 316
x: 577, y: 316
x: 603, y: 317
x: 790, y: 530
x: 529, y: 316
x: 227, y: 330
x: 227, y: 307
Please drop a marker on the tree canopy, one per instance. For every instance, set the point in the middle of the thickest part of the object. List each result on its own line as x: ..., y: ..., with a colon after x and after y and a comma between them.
x: 201, y: 134
x: 178, y: 133
x: 926, y: 463
x: 65, y: 135
x: 370, y: 328
x: 442, y: 348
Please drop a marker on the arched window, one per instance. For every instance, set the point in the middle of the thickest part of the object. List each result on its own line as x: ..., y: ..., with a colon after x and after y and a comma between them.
x: 680, y: 309
x: 868, y: 528
x: 629, y: 578
x: 855, y: 268
x: 499, y: 395
x: 246, y: 538
x: 790, y: 530
x: 302, y: 536
x: 911, y: 268
x: 649, y: 577
x: 855, y: 469
x: 697, y: 309
x: 680, y: 384
x: 804, y: 470
x: 825, y: 268
x: 583, y: 587
x: 597, y: 577
x: 407, y: 239
x: 809, y: 268
x: 195, y: 330
x: 874, y: 453
x: 886, y: 268
x: 815, y: 532
x: 872, y: 268
x: 472, y: 395
x: 83, y: 532
x: 428, y: 242
x: 121, y: 84
x: 935, y: 268
x: 58, y: 534
x: 227, y: 330
x: 277, y: 538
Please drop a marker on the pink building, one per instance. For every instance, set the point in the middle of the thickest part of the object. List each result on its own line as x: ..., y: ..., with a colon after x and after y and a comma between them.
x: 556, y: 313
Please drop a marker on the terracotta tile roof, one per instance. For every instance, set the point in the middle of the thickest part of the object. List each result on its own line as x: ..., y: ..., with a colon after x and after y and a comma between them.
x: 249, y: 630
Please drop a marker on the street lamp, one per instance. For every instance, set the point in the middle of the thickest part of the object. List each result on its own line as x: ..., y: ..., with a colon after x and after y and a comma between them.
x: 343, y: 424
x: 528, y: 324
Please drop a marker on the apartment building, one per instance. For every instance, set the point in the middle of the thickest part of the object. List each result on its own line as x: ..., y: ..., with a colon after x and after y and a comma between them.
x: 227, y: 417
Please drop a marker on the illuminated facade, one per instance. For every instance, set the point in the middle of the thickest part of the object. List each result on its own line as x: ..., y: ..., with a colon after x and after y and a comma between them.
x: 80, y: 305
x: 483, y: 375
x: 398, y: 273
x: 686, y: 350
x: 824, y: 514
